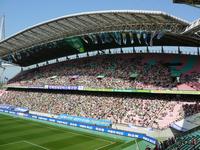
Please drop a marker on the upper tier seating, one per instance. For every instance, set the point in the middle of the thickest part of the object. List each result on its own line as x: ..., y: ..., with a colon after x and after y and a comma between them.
x: 154, y: 71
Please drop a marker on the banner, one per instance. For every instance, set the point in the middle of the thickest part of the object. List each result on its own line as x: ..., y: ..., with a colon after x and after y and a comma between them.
x: 90, y: 121
x: 20, y: 109
x: 76, y: 43
x: 55, y: 87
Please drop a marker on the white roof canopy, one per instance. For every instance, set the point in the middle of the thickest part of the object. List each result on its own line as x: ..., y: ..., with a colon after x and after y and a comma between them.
x: 91, y: 22
x: 194, y: 28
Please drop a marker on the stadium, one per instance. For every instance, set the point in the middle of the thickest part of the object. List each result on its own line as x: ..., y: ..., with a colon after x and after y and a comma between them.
x: 195, y: 3
x: 114, y: 79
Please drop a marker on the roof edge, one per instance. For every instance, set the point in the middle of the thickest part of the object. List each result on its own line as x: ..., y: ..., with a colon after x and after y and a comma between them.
x: 95, y: 12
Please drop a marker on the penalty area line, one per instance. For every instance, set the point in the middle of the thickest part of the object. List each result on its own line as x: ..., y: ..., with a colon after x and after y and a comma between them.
x: 36, y: 145
x: 11, y: 143
x: 105, y: 145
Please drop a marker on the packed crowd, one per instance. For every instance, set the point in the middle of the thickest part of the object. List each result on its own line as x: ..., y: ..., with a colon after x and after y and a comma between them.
x: 190, y: 109
x: 2, y: 92
x: 101, y: 72
x: 109, y: 71
x: 193, y: 80
x: 147, y: 111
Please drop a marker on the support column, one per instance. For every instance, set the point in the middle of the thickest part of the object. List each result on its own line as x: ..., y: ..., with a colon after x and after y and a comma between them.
x: 162, y: 49
x: 109, y: 51
x: 147, y: 49
x: 121, y: 50
x: 179, y: 50
x: 134, y: 50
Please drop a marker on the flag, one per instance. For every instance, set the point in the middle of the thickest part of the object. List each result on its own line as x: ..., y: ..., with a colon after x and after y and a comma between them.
x: 105, y: 38
x: 124, y: 37
x: 160, y: 35
x: 117, y: 37
x: 18, y: 55
x: 145, y: 37
x: 139, y: 36
x: 76, y: 43
x: 84, y: 39
x: 93, y: 38
x: 131, y: 37
x: 153, y: 34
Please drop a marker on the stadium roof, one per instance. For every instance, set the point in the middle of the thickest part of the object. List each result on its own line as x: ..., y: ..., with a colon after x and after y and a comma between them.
x: 89, y: 23
x: 193, y: 29
x: 195, y: 3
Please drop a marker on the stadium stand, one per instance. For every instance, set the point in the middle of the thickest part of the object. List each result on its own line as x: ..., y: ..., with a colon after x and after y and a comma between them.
x: 187, y: 141
x: 147, y: 111
x: 150, y: 71
x: 2, y: 92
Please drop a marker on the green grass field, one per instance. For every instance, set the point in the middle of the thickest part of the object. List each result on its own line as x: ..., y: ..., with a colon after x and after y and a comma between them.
x: 23, y: 134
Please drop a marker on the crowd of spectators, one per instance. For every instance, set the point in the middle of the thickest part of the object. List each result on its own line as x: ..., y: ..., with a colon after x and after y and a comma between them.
x: 2, y: 92
x: 147, y: 111
x: 109, y: 71
x: 190, y: 109
x: 193, y: 80
x: 101, y: 72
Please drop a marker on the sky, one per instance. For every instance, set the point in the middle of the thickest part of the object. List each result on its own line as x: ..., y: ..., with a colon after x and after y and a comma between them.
x: 21, y: 14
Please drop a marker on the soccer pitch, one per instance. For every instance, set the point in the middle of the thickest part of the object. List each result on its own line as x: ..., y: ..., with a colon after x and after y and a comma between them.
x: 23, y: 134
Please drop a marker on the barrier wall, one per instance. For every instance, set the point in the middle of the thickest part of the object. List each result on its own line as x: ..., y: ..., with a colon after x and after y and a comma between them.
x: 82, y: 88
x: 85, y: 126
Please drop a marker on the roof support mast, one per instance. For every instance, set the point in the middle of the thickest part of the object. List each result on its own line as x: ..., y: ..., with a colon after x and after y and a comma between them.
x: 2, y: 28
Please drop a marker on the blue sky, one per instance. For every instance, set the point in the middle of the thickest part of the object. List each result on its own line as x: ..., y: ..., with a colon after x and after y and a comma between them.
x: 21, y: 14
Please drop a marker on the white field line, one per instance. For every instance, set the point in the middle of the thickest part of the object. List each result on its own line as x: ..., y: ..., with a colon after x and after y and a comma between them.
x: 25, y: 142
x: 106, y: 145
x: 11, y: 143
x: 137, y: 144
x: 36, y: 145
